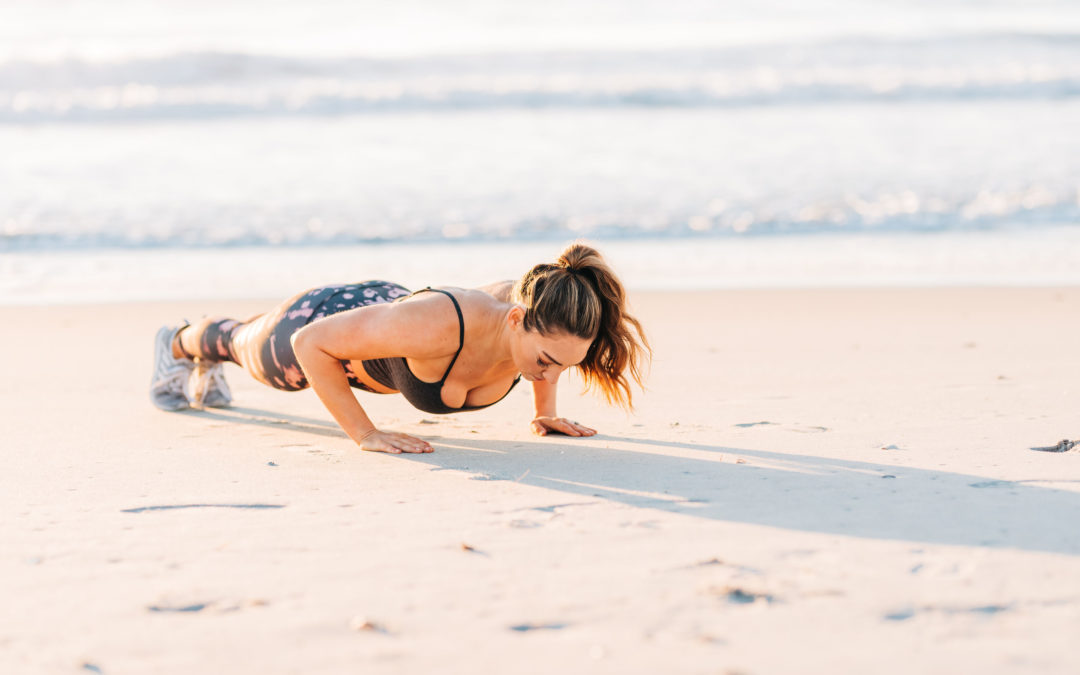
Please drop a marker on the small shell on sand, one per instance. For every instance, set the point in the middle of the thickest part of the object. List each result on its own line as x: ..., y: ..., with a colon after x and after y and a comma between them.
x: 361, y: 624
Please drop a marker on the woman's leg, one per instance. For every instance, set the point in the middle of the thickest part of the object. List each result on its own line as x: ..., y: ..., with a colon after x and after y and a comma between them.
x: 259, y: 345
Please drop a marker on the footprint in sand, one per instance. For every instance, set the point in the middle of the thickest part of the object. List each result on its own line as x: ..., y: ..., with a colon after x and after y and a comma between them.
x: 178, y: 608
x: 910, y: 612
x: 522, y: 524
x: 553, y: 508
x: 526, y: 627
x: 739, y: 596
x: 218, y: 606
x: 993, y: 484
x: 810, y: 429
x: 799, y: 428
x: 169, y: 507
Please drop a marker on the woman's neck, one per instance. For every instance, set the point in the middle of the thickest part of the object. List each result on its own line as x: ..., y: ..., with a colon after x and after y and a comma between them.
x: 496, y: 342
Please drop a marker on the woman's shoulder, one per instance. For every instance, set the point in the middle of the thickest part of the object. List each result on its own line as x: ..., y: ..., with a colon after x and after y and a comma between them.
x: 500, y: 290
x: 473, y: 302
x: 479, y: 307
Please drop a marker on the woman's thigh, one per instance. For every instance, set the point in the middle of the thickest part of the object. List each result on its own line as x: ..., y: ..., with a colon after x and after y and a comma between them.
x: 263, y: 346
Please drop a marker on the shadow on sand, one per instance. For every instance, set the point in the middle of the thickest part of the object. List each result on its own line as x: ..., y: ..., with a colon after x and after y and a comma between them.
x: 783, y: 490
x: 797, y: 492
x: 268, y: 418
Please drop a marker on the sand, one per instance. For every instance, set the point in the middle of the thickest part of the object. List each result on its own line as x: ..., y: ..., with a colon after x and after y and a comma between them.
x: 815, y: 481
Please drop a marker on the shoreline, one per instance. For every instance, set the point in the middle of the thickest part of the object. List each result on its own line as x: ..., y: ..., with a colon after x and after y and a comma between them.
x: 1004, y: 258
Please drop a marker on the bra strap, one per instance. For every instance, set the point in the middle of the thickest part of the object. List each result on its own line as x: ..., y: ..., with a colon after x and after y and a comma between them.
x: 461, y: 327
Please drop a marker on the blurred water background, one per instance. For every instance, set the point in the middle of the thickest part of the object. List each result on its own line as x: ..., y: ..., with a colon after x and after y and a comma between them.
x: 242, y: 148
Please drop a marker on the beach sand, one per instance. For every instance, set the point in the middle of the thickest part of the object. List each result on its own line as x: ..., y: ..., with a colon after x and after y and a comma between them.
x: 815, y: 481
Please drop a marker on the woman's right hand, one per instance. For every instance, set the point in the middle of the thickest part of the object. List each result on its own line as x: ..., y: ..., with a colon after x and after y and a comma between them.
x: 392, y: 442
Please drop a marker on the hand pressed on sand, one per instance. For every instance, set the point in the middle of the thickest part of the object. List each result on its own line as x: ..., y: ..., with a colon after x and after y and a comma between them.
x: 392, y: 442
x: 542, y: 426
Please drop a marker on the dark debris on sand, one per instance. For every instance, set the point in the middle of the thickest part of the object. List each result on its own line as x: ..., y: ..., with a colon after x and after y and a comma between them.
x: 1062, y: 446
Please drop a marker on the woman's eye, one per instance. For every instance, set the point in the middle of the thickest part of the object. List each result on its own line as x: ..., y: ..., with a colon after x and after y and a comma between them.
x: 541, y: 363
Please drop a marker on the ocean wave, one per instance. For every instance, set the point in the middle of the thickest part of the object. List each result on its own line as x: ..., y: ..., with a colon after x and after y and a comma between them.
x: 212, y: 84
x: 898, y: 212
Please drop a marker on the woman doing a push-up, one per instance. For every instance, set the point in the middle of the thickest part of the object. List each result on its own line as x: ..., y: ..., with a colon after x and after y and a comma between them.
x: 445, y: 349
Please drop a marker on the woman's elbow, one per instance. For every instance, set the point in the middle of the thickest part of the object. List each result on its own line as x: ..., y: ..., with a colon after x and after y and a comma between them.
x: 302, y: 344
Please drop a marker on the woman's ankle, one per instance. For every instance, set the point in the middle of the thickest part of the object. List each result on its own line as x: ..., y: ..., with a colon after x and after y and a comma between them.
x: 178, y: 350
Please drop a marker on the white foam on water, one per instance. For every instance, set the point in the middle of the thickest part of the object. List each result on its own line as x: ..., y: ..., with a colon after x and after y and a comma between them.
x: 1009, y: 257
x: 512, y: 174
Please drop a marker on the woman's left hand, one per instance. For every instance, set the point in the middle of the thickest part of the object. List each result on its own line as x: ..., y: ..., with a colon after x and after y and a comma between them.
x: 542, y: 426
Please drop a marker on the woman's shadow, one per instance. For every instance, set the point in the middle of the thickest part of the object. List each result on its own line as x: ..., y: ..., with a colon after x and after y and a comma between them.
x: 784, y: 490
x: 777, y: 489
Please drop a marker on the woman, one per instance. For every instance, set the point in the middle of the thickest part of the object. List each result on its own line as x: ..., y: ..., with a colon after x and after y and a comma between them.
x: 445, y: 350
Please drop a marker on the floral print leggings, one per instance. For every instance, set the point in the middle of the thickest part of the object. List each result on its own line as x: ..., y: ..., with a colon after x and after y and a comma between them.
x: 262, y: 345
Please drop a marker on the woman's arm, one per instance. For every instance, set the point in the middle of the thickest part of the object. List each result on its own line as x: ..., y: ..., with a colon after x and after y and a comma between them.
x: 546, y: 419
x: 328, y: 380
x: 372, y: 332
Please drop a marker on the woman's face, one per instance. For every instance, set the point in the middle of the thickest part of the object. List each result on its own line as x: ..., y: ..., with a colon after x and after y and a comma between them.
x: 545, y: 357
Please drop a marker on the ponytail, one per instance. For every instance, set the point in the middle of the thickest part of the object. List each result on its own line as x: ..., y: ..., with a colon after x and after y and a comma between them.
x: 580, y: 295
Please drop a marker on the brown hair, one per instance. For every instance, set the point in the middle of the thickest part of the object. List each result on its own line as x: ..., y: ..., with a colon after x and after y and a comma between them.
x: 580, y: 295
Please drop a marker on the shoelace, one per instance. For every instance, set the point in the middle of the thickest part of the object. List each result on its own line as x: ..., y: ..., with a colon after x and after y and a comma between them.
x: 212, y: 378
x: 216, y: 377
x: 172, y: 379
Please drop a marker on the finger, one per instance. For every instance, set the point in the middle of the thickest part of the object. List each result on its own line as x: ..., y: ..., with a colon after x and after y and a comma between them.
x: 568, y: 428
x: 412, y: 443
x: 388, y: 445
x: 581, y: 428
x: 380, y: 447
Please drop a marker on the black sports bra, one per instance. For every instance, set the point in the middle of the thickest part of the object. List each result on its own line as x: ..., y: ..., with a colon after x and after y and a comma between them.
x: 393, y: 372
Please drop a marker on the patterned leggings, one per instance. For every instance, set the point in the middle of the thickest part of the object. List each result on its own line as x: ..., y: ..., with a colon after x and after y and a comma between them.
x: 262, y: 345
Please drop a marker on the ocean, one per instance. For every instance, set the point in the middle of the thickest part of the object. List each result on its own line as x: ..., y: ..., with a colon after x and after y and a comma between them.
x: 699, y: 144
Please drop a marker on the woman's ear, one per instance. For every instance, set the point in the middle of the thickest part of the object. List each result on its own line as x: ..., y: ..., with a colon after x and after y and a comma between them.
x: 516, y: 317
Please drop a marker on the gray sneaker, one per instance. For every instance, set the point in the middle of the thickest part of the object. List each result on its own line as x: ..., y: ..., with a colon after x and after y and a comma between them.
x: 211, y: 389
x: 169, y: 386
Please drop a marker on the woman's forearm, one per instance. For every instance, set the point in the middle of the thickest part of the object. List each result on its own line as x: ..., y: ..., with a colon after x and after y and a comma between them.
x: 327, y: 378
x: 547, y: 420
x: 544, y: 398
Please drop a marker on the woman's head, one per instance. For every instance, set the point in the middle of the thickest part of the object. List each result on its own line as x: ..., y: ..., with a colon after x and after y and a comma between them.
x: 575, y: 314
